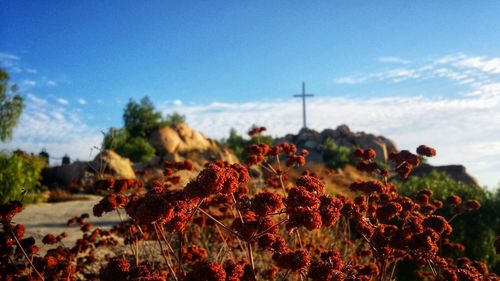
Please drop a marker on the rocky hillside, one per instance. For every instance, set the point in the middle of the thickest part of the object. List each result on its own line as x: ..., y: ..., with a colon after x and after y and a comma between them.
x: 342, y: 135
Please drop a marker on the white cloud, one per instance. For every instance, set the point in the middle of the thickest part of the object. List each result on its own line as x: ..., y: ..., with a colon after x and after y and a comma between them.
x: 391, y: 59
x: 460, y: 68
x: 349, y: 80
x: 57, y: 129
x: 51, y: 83
x: 464, y: 129
x: 26, y: 84
x: 82, y: 101
x: 62, y: 101
x: 177, y: 102
x: 8, y: 57
x: 484, y: 64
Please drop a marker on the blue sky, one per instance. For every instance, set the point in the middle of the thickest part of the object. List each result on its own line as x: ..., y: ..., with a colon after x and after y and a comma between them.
x: 415, y: 71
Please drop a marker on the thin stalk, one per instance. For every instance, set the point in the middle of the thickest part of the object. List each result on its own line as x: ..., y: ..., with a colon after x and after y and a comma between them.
x: 180, y: 252
x: 163, y: 253
x: 162, y: 233
x: 286, y: 275
x: 236, y: 207
x: 250, y: 256
x: 299, y: 238
x: 25, y: 254
x: 267, y: 229
x: 222, y: 225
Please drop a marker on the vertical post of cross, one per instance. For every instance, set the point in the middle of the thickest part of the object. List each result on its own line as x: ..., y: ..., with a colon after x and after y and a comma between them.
x: 303, y: 96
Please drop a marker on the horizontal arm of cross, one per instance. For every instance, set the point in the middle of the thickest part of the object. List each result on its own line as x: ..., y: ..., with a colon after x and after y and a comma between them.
x: 306, y: 95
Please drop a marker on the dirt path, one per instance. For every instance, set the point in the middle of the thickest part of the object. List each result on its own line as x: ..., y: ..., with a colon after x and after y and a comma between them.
x: 41, y: 219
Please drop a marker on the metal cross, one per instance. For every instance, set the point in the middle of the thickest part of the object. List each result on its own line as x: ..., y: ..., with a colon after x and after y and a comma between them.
x: 303, y: 96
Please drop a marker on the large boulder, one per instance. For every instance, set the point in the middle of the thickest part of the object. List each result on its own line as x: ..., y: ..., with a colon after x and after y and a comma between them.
x: 182, y: 142
x: 107, y: 163
x: 111, y: 163
x: 342, y: 135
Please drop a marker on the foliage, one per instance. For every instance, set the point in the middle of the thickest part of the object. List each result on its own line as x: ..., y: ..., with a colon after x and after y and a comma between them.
x: 337, y: 156
x: 175, y: 119
x: 478, y: 239
x: 11, y: 106
x: 137, y: 149
x: 20, y: 176
x: 141, y: 119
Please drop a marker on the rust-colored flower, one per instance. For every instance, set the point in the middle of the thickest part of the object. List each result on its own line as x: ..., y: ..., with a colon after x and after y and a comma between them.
x: 9, y: 210
x: 426, y: 151
x: 266, y: 203
x: 206, y: 271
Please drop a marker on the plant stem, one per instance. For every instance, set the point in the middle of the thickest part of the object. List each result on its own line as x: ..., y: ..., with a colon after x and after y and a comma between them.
x: 25, y: 255
x: 222, y: 225
x: 163, y: 253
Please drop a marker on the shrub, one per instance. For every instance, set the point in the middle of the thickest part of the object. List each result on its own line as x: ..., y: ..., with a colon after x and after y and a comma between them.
x: 476, y: 231
x: 337, y: 156
x: 175, y: 119
x: 20, y: 176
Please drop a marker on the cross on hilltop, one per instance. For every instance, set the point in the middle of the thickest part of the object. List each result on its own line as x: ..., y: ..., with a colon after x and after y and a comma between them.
x: 303, y: 96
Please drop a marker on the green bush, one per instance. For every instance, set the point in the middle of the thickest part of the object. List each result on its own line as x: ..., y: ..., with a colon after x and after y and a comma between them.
x: 476, y: 230
x: 137, y: 149
x: 175, y: 119
x: 20, y: 176
x: 337, y: 156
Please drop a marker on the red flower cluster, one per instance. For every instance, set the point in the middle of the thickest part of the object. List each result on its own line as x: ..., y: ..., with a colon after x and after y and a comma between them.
x: 217, y: 178
x: 9, y: 210
x: 256, y: 131
x: 119, y: 185
x: 109, y: 203
x: 426, y: 151
x: 307, y: 206
x: 206, y: 271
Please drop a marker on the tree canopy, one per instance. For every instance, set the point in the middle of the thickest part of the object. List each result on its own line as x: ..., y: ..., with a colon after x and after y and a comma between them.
x: 141, y: 119
x: 11, y: 106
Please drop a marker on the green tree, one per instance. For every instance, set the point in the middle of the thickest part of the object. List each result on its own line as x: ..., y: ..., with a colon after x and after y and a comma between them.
x: 141, y: 119
x: 11, y: 106
x: 20, y: 176
x: 137, y: 149
x: 175, y: 119
x: 337, y: 156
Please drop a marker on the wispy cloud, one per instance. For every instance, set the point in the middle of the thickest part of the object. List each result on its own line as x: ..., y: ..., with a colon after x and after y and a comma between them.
x: 467, y: 121
x: 58, y: 129
x: 8, y: 57
x: 51, y: 83
x: 391, y: 59
x: 461, y: 68
x: 27, y: 84
x: 484, y: 64
x: 81, y: 101
x: 62, y: 101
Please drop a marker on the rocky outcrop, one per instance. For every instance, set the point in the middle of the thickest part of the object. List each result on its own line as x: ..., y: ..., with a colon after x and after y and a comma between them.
x: 455, y: 172
x: 106, y: 163
x: 182, y: 142
x: 342, y: 135
x: 111, y: 163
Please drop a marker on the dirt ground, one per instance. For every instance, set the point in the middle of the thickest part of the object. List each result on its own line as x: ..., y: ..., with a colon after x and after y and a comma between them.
x: 41, y: 219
